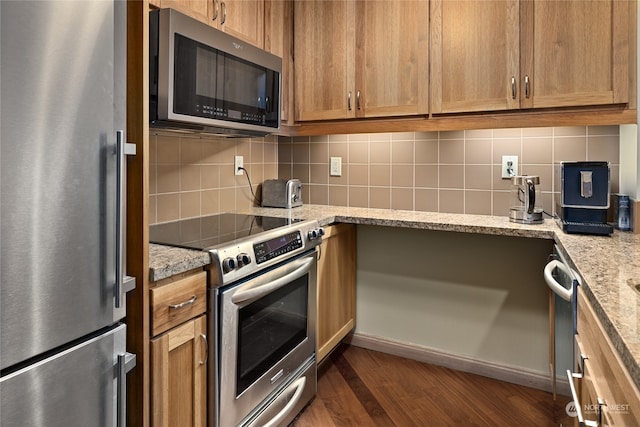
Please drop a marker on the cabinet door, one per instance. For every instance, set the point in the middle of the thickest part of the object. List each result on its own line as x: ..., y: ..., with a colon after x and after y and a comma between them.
x: 606, y: 375
x: 336, y: 287
x: 278, y: 35
x: 197, y: 9
x: 178, y: 376
x: 324, y: 52
x: 243, y: 19
x: 575, y: 52
x: 475, y: 55
x: 392, y: 74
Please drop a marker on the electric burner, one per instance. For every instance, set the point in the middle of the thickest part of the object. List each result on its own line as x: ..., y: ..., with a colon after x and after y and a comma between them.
x: 209, y: 231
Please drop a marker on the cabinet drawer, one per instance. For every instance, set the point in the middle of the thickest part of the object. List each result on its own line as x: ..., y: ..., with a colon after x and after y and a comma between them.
x: 178, y: 301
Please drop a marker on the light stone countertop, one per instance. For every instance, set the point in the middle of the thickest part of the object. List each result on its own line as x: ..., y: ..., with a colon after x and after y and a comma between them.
x: 608, y: 266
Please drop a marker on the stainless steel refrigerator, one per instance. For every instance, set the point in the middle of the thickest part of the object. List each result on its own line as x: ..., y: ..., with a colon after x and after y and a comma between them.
x: 63, y: 358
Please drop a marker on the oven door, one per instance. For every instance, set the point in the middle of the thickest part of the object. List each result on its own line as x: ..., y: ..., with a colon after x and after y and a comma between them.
x: 267, y: 332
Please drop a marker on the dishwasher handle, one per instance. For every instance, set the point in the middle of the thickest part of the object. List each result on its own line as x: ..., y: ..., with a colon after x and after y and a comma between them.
x: 557, y: 288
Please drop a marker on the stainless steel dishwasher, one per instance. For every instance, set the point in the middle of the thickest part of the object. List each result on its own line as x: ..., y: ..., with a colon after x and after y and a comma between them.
x: 562, y: 281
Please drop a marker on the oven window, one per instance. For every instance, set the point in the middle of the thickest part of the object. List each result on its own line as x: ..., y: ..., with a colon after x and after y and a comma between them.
x: 269, y: 328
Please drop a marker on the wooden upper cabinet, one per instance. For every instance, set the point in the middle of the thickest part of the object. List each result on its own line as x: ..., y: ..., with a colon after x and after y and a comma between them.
x: 324, y: 56
x: 243, y: 19
x: 475, y: 55
x: 278, y: 36
x: 359, y: 58
x: 392, y: 58
x: 501, y: 55
x: 197, y: 9
x: 575, y: 52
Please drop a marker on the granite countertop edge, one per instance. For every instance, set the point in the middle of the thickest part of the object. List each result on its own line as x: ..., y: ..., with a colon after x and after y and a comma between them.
x: 606, y: 264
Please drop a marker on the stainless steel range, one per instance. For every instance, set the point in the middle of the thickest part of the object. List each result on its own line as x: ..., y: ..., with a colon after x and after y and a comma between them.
x: 262, y: 311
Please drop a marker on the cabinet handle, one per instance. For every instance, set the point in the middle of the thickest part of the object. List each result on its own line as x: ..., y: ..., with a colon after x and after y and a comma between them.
x: 349, y: 101
x: 215, y: 10
x: 224, y: 13
x: 513, y: 87
x: 583, y: 358
x: 182, y: 304
x: 206, y: 349
x: 358, y: 100
x: 526, y: 87
x: 574, y: 395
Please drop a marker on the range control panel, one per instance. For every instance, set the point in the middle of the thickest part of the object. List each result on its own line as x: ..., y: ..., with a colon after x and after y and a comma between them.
x: 281, y: 245
x: 241, y: 258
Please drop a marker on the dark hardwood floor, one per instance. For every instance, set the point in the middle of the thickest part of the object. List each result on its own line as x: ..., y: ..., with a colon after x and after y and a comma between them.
x: 360, y: 387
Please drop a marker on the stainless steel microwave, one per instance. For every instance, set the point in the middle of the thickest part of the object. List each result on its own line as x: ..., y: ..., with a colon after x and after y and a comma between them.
x: 203, y: 80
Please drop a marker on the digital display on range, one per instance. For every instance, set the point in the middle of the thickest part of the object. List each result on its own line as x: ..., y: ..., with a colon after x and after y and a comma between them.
x: 270, y: 249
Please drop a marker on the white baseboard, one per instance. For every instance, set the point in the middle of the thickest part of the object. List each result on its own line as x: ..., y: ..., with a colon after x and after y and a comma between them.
x: 511, y: 374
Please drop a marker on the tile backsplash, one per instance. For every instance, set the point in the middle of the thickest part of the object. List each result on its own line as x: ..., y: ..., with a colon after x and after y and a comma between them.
x: 192, y: 176
x: 453, y: 172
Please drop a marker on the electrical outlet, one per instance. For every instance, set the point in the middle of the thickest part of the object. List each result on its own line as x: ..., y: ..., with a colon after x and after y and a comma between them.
x: 509, y: 166
x: 336, y: 166
x: 238, y: 165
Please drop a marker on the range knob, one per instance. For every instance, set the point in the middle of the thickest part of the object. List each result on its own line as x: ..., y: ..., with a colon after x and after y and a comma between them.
x: 316, y: 233
x: 243, y: 259
x: 228, y: 264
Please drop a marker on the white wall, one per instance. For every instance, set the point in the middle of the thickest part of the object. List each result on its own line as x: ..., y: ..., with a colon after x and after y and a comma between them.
x: 629, y: 152
x: 629, y: 161
x: 477, y: 296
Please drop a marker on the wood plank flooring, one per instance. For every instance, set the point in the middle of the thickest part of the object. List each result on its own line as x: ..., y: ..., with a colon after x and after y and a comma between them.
x: 360, y: 387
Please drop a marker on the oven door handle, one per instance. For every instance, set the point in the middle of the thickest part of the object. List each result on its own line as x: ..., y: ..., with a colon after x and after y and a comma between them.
x: 265, y: 285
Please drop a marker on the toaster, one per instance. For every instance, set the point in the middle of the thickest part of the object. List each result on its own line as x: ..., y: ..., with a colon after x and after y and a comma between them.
x: 282, y: 193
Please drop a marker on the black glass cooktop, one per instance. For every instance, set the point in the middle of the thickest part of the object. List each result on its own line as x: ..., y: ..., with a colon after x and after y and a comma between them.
x: 205, y: 232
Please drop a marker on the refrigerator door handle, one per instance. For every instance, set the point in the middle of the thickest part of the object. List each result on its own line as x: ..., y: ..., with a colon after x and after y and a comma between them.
x: 124, y: 283
x: 126, y: 362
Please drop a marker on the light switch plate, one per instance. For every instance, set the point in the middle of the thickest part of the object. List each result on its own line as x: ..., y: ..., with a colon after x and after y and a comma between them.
x: 336, y: 166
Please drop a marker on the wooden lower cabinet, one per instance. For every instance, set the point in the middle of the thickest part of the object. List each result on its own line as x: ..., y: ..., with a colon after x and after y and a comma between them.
x: 179, y: 376
x: 179, y: 351
x: 336, y: 287
x: 604, y: 377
